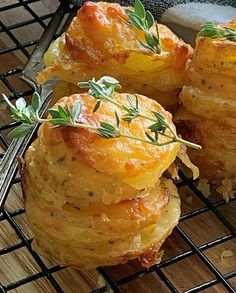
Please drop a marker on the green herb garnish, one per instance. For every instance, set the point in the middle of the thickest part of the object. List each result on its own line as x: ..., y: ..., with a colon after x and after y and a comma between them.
x: 102, y: 90
x: 209, y: 29
x: 143, y: 20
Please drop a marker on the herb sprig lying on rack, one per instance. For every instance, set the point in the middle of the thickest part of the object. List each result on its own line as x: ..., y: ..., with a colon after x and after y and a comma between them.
x: 143, y: 20
x: 101, y: 90
x: 209, y: 29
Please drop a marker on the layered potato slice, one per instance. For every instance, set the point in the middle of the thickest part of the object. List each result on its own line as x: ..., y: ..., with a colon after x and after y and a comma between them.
x: 105, y: 235
x: 92, y: 201
x: 208, y: 114
x: 99, y: 42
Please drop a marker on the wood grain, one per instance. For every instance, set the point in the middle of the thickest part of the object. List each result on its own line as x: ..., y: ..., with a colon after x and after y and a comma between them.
x: 184, y: 274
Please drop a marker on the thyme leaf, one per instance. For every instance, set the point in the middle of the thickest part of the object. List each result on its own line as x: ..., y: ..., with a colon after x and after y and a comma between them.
x: 209, y: 29
x: 143, y: 20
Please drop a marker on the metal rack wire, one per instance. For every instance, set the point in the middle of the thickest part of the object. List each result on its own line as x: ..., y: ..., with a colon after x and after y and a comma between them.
x: 115, y: 285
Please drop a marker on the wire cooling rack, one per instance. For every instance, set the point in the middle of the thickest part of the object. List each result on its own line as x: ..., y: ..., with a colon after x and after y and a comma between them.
x: 196, y: 249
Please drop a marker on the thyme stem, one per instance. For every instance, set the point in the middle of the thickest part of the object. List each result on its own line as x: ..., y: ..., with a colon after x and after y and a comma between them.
x: 101, y: 90
x: 76, y: 125
x: 175, y: 137
x: 96, y: 130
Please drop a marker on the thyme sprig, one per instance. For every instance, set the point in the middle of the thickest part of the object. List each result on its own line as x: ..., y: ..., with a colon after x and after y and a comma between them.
x: 159, y: 123
x: 101, y: 90
x: 143, y: 20
x: 209, y: 29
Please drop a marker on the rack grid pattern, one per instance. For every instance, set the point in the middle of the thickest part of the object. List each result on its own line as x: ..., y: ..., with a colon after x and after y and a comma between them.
x: 115, y: 285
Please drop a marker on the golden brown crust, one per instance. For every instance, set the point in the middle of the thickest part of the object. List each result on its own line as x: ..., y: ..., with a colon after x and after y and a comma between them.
x: 121, y: 158
x: 208, y: 114
x: 93, y: 149
x: 98, y: 42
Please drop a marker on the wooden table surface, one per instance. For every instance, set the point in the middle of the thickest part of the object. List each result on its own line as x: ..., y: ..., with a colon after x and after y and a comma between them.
x: 188, y: 272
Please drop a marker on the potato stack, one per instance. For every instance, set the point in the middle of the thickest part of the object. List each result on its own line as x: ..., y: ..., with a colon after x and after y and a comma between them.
x: 100, y: 42
x: 92, y: 201
x: 208, y: 114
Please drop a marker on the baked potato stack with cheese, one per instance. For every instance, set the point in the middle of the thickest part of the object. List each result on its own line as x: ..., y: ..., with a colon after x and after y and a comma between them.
x: 92, y: 201
x: 208, y: 114
x: 99, y: 42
